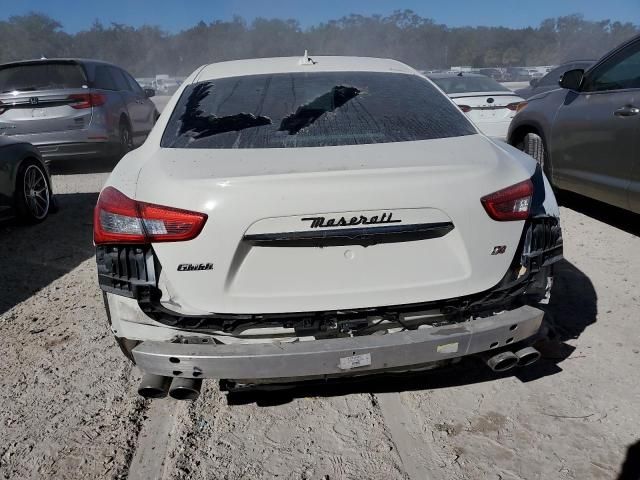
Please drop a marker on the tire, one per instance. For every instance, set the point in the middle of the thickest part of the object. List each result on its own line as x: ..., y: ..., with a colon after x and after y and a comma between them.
x: 533, y: 145
x: 33, y: 192
x: 126, y: 138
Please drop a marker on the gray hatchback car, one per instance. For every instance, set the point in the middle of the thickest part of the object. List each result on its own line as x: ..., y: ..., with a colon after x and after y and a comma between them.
x: 73, y: 108
x: 586, y: 135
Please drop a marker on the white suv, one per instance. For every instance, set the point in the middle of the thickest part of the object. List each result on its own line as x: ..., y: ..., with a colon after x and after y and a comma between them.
x: 298, y: 219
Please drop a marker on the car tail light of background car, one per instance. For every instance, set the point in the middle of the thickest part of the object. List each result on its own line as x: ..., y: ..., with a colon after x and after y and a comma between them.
x: 119, y: 219
x: 511, y: 203
x: 465, y: 108
x: 87, y: 100
x: 514, y: 106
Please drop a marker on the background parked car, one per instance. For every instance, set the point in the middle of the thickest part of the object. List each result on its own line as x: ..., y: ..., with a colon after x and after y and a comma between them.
x: 517, y: 74
x: 25, y: 186
x: 165, y: 85
x: 587, y: 137
x: 71, y: 108
x: 494, y: 73
x: 551, y: 79
x: 488, y: 104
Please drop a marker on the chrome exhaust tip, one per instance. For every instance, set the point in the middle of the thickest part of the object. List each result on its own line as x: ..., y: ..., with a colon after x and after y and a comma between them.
x: 154, y: 386
x: 185, y: 388
x: 503, y: 361
x: 527, y: 356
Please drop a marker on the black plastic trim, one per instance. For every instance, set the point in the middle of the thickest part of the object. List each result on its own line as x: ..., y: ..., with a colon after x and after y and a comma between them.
x: 352, y: 236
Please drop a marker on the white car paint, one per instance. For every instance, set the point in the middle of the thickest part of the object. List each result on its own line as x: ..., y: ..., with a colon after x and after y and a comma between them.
x: 266, y: 190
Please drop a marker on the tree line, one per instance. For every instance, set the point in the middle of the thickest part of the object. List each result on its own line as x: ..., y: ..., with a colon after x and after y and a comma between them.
x: 403, y: 35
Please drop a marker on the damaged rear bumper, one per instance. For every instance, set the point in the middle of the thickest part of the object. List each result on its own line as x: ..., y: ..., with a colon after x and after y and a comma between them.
x: 337, y: 356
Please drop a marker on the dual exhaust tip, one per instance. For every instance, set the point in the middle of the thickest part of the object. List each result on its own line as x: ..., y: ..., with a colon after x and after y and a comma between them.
x: 156, y: 386
x: 503, y: 361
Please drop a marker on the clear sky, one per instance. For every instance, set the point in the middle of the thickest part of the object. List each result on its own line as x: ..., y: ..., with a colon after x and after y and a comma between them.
x: 175, y: 15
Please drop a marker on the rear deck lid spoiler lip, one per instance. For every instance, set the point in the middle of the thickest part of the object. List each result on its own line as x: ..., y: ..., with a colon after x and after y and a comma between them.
x: 482, y: 94
x: 352, y: 236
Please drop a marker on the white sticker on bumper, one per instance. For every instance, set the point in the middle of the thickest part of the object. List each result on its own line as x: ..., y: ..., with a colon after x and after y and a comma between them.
x: 448, y: 348
x: 347, y: 363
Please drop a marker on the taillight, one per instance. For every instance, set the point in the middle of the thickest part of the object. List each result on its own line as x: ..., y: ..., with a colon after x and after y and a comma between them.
x: 465, y: 108
x: 87, y: 100
x: 511, y: 203
x: 119, y: 219
x: 521, y: 106
x: 513, y: 106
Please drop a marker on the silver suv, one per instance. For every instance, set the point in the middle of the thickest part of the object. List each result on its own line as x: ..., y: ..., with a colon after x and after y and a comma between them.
x: 71, y: 108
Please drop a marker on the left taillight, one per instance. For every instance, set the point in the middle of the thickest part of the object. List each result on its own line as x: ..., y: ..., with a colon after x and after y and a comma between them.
x: 511, y: 203
x: 120, y: 219
x: 86, y: 100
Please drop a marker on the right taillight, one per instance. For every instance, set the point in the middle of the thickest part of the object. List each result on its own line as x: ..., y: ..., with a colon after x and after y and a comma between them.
x: 521, y: 106
x: 86, y: 100
x: 120, y: 219
x: 511, y: 203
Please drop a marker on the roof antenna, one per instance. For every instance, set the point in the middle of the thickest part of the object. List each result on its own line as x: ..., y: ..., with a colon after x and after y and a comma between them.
x: 306, y: 60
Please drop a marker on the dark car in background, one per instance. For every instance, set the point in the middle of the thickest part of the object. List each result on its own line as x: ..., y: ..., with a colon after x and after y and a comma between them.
x: 25, y: 186
x: 73, y: 108
x: 551, y: 79
x: 587, y: 135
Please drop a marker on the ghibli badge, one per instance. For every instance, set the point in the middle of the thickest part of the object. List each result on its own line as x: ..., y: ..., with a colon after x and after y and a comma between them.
x: 190, y: 267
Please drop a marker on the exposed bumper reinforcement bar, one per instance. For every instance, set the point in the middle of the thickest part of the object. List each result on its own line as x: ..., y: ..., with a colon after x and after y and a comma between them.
x: 338, y: 356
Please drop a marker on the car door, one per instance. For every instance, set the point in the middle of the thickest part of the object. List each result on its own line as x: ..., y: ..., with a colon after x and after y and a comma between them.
x: 595, y: 132
x: 634, y: 183
x: 131, y: 101
x: 145, y: 109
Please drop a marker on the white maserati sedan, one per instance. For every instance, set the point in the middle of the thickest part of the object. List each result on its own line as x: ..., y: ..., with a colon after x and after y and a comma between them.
x: 488, y: 104
x: 296, y: 219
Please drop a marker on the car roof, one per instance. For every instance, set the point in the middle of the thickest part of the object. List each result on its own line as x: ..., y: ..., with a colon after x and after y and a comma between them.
x: 36, y: 61
x: 313, y: 63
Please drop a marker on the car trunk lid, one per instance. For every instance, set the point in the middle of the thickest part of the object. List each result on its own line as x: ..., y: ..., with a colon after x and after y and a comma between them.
x: 312, y: 229
x: 43, y: 96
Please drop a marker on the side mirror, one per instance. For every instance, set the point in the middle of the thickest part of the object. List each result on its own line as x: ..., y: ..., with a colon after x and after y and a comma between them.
x: 149, y: 92
x: 572, y: 79
x: 533, y: 82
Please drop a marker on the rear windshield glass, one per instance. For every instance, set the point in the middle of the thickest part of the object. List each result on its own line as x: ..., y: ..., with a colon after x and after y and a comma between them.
x: 41, y: 76
x: 469, y: 84
x: 311, y: 110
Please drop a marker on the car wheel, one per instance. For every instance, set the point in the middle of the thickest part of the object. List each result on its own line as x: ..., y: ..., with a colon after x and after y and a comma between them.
x: 126, y: 138
x: 33, y: 192
x: 533, y: 145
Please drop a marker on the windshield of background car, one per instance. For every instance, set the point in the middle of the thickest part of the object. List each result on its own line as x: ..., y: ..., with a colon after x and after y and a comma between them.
x: 293, y: 110
x: 464, y: 84
x: 41, y: 76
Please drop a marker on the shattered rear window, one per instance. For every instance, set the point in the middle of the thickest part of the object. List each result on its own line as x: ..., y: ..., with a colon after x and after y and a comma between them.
x: 311, y: 110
